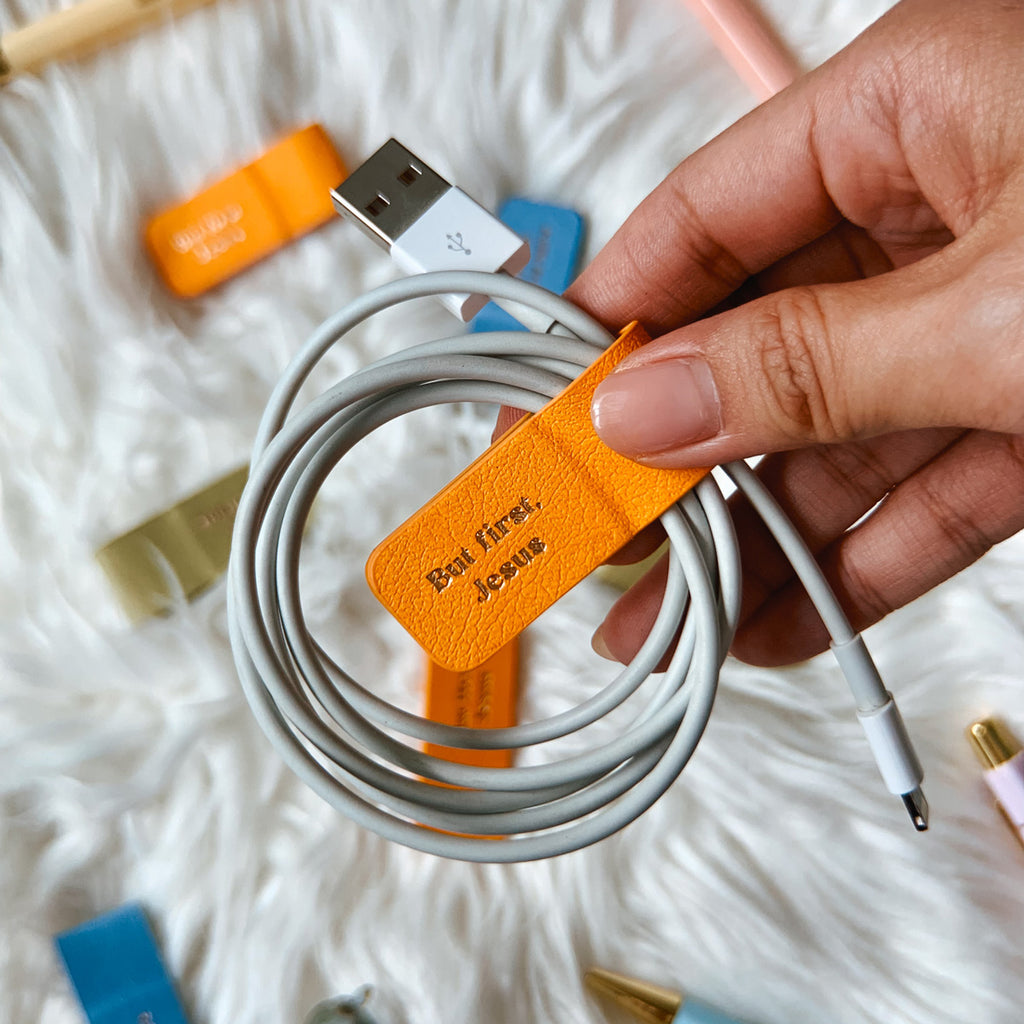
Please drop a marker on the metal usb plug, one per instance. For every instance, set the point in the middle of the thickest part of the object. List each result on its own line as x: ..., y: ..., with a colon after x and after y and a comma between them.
x: 427, y: 223
x: 389, y: 192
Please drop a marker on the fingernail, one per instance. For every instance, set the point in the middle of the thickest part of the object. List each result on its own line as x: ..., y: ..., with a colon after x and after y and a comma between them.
x: 657, y: 407
x: 600, y: 647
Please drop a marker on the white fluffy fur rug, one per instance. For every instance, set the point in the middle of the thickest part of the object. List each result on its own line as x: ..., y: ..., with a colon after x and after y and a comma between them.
x: 775, y: 880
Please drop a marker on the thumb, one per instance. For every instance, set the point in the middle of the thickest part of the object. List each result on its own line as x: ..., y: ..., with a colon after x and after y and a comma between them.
x: 825, y: 363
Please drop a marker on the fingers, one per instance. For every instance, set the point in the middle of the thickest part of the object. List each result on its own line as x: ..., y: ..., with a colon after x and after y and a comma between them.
x: 507, y: 417
x: 940, y: 520
x: 645, y: 543
x: 759, y: 195
x: 728, y: 211
x: 935, y: 523
x: 823, y: 491
x: 829, y: 148
x: 632, y: 617
x: 843, y: 254
x: 830, y: 363
x: 933, y: 343
x: 822, y: 364
x: 846, y: 253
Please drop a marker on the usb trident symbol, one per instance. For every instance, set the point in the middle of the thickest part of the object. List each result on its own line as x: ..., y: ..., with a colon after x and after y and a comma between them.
x: 455, y: 243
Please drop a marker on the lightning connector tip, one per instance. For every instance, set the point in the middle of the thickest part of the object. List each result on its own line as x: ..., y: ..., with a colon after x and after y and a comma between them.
x: 917, y: 808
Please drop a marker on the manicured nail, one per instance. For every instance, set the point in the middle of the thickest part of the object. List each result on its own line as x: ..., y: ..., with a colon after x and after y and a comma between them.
x: 600, y: 647
x: 657, y: 407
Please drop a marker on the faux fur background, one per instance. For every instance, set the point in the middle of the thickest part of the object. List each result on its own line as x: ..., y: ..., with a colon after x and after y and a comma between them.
x: 775, y: 880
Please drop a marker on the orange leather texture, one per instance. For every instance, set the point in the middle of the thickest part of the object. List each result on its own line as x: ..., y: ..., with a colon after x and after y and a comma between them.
x: 532, y: 516
x: 248, y: 215
x: 480, y: 698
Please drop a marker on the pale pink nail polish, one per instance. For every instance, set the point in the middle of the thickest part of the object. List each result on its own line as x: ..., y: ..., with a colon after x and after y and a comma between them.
x: 600, y: 646
x: 657, y: 407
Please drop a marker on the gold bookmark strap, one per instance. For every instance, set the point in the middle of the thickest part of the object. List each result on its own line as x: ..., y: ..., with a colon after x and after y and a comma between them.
x: 180, y: 551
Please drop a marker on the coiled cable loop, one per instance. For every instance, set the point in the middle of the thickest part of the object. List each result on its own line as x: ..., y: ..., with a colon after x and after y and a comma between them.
x: 346, y: 742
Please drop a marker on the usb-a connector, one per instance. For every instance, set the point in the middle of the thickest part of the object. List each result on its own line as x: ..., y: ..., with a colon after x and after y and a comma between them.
x: 388, y: 193
x: 426, y: 222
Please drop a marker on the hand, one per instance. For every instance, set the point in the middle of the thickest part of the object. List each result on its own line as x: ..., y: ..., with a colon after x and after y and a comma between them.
x: 868, y: 224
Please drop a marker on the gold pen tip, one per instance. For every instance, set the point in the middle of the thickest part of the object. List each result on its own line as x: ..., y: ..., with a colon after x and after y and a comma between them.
x: 650, y: 1004
x: 992, y: 742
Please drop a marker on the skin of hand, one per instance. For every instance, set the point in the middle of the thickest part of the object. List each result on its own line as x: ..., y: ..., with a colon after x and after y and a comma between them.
x: 838, y: 280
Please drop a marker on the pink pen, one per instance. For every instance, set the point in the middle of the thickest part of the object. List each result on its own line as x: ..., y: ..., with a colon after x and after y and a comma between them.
x: 748, y: 43
x: 1004, y: 769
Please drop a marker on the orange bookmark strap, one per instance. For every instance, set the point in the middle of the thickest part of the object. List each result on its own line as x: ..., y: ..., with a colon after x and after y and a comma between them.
x: 248, y: 215
x: 479, y: 698
x: 523, y: 524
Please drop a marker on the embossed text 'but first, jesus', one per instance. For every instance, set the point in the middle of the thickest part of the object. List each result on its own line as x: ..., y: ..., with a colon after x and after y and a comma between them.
x: 488, y: 537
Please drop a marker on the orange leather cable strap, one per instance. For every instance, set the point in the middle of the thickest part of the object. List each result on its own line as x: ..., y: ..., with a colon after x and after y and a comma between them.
x: 523, y: 524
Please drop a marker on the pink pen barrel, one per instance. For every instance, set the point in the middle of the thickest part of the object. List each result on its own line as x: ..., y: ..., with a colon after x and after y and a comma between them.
x: 749, y: 43
x: 1003, y: 759
x: 1006, y: 781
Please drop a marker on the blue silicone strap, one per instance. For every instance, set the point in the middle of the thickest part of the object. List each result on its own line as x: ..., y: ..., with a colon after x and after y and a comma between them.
x: 694, y: 1012
x: 117, y: 972
x: 555, y: 235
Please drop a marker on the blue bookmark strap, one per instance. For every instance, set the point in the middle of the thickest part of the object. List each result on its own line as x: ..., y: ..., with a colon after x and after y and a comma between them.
x: 117, y: 972
x: 554, y: 234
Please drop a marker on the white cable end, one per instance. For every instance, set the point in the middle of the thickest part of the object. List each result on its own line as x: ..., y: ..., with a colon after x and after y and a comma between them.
x: 891, y: 746
x: 456, y: 233
x: 427, y: 223
x: 883, y: 725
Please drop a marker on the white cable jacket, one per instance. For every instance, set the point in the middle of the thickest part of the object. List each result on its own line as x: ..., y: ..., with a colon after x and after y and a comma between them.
x: 365, y: 756
x: 456, y: 227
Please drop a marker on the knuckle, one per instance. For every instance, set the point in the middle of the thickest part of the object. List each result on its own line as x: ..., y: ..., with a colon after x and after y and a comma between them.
x: 962, y: 533
x: 871, y: 601
x: 858, y: 470
x: 1011, y: 487
x: 1015, y: 451
x: 660, y: 304
x: 988, y: 328
x: 796, y: 361
x: 712, y: 259
x: 709, y: 269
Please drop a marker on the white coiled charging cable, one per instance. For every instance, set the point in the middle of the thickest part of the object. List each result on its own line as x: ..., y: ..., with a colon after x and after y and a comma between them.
x: 345, y: 742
